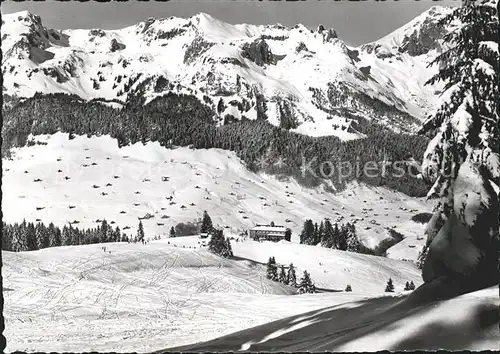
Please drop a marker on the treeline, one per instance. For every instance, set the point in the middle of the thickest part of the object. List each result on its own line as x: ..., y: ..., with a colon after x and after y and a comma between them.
x: 305, y: 284
x: 341, y: 237
x: 27, y: 236
x: 344, y: 237
x: 182, y: 120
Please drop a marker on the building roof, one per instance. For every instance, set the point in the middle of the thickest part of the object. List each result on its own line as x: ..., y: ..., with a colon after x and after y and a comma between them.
x: 269, y: 228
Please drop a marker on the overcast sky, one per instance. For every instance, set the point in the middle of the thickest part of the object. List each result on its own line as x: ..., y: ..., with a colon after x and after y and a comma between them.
x: 355, y: 22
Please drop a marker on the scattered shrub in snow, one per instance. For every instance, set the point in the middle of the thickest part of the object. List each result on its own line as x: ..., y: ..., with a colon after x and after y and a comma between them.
x: 389, y: 288
x: 409, y: 286
x: 422, y: 218
x: 348, y: 288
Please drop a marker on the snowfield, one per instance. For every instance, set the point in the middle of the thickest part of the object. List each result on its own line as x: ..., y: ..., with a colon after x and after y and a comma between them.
x: 167, y: 293
x: 467, y: 322
x: 213, y: 180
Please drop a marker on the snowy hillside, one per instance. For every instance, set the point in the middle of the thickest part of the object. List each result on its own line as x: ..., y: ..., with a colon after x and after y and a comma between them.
x: 299, y: 79
x: 88, y: 179
x: 467, y: 322
x: 167, y: 293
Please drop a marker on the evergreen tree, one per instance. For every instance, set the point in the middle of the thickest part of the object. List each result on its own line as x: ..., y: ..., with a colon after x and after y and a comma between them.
x: 282, y: 278
x: 328, y: 235
x: 421, y: 257
x: 315, y: 235
x: 342, y: 238
x: 31, y: 241
x: 288, y: 235
x: 306, y: 285
x: 274, y: 270
x: 307, y: 234
x: 389, y: 288
x: 291, y: 276
x: 172, y: 232
x: 117, y: 234
x: 43, y: 236
x: 336, y: 236
x: 6, y: 237
x: 462, y: 160
x: 353, y: 244
x: 206, y: 224
x: 105, y: 236
x: 228, y: 249
x: 18, y: 241
x: 219, y: 245
x: 407, y: 286
x: 269, y: 268
x: 348, y: 288
x: 411, y: 285
x: 320, y: 234
x: 140, y: 232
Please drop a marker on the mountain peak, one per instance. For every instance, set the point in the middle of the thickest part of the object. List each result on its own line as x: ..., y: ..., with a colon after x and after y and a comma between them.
x: 417, y: 37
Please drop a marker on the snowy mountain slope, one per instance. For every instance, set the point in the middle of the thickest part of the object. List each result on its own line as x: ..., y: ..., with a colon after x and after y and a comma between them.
x: 124, y: 184
x: 148, y: 297
x: 467, y: 322
x: 334, y: 269
x: 296, y: 78
x: 413, y: 46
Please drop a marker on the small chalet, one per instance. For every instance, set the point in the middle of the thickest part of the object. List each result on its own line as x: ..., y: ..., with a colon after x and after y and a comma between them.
x: 267, y: 232
x: 204, y: 238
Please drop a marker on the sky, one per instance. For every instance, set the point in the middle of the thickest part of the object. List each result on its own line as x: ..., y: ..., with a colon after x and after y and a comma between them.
x: 356, y: 22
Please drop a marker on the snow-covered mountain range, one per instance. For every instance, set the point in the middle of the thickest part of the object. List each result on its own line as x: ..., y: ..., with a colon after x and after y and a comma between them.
x: 305, y: 80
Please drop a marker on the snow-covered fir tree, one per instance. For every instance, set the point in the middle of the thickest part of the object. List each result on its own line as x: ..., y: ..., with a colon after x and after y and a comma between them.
x: 271, y: 270
x: 206, y: 223
x: 140, y: 232
x: 228, y: 251
x: 282, y: 278
x: 307, y: 234
x: 219, y: 245
x: 421, y: 257
x: 31, y: 241
x: 342, y: 238
x: 463, y: 157
x: 348, y: 288
x: 328, y: 235
x: 172, y: 232
x: 306, y: 285
x: 320, y: 234
x: 291, y: 276
x: 353, y: 244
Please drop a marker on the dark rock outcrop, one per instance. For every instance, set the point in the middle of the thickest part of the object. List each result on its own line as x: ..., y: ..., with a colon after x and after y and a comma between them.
x: 259, y: 52
x: 115, y: 45
x: 195, y: 49
x: 329, y: 35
